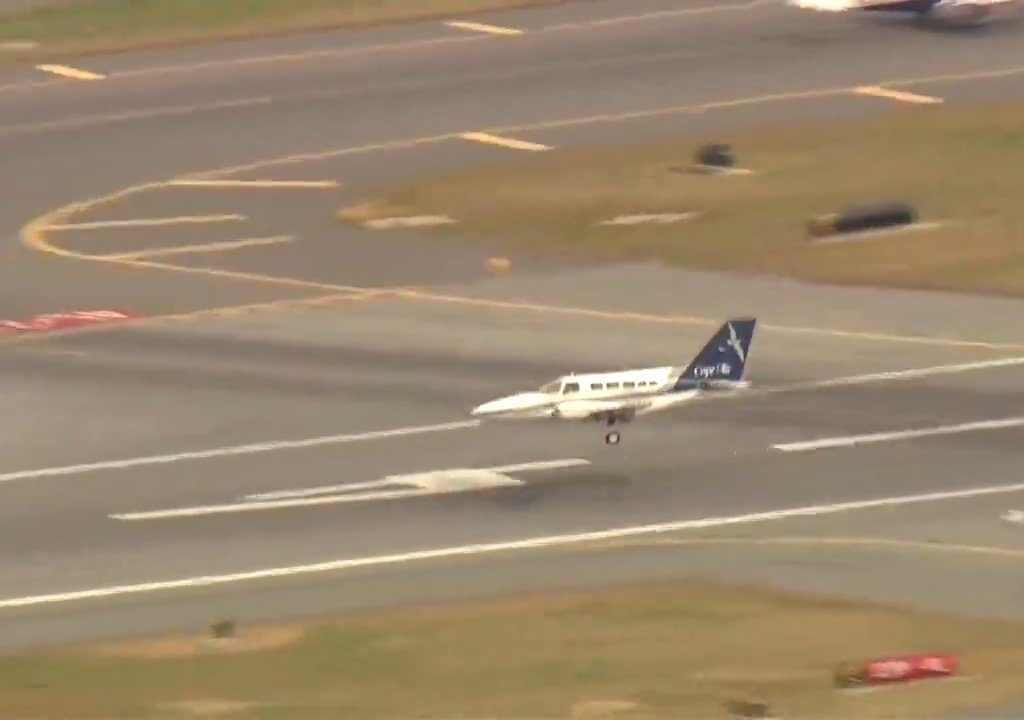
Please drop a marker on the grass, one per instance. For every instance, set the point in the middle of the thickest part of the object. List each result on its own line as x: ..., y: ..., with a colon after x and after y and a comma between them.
x: 70, y: 27
x: 652, y: 651
x: 960, y: 166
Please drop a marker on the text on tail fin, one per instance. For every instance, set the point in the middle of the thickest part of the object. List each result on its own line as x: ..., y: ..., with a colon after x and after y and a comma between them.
x: 723, y: 358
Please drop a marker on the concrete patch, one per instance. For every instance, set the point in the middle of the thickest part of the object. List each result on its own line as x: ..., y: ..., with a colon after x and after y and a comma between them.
x: 413, y: 221
x: 653, y: 219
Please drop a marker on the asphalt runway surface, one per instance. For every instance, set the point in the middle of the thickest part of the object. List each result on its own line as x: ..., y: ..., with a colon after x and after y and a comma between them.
x: 132, y: 457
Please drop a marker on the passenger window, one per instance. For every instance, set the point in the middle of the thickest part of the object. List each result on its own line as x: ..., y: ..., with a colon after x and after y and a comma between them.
x: 628, y: 384
x: 571, y: 388
x: 612, y: 385
x: 597, y: 386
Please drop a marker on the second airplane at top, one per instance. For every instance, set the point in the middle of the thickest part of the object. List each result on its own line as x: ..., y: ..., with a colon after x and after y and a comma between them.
x: 620, y: 395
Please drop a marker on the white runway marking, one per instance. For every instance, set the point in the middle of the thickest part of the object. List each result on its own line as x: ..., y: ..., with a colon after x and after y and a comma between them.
x: 235, y: 450
x: 146, y: 222
x: 656, y: 218
x: 481, y: 27
x: 408, y: 222
x: 511, y: 545
x: 852, y: 440
x: 512, y: 143
x: 256, y: 184
x: 70, y: 72
x: 898, y: 95
x: 221, y: 246
x: 351, y: 487
x: 911, y: 373
x: 394, y: 487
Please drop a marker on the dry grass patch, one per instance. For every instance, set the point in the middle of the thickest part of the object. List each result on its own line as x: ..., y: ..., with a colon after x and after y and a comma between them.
x: 650, y: 652
x: 959, y: 166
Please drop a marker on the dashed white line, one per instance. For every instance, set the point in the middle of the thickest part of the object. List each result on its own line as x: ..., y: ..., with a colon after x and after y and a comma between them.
x: 70, y: 72
x: 898, y: 95
x: 880, y: 437
x: 512, y: 143
x: 484, y: 28
x: 508, y: 546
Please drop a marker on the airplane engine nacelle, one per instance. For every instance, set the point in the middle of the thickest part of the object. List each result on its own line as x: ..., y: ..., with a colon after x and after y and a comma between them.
x: 957, y: 12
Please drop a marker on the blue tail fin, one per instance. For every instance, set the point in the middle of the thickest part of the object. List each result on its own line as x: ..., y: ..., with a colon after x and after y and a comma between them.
x: 723, y: 359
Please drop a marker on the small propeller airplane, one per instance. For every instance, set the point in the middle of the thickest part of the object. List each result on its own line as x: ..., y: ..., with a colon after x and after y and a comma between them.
x: 618, y: 396
x: 944, y: 12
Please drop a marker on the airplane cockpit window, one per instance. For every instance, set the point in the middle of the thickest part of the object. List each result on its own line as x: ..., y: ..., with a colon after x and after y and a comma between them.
x: 551, y: 387
x: 570, y: 388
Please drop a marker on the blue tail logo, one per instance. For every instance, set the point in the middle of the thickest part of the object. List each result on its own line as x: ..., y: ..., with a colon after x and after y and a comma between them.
x: 723, y: 359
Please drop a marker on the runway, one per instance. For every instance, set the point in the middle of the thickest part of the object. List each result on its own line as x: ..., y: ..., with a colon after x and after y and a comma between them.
x: 221, y: 405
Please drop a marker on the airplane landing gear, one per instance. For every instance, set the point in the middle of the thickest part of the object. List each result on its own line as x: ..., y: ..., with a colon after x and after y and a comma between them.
x: 612, y: 438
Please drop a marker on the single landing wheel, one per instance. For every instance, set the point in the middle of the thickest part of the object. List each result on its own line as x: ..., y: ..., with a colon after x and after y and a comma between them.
x: 612, y: 438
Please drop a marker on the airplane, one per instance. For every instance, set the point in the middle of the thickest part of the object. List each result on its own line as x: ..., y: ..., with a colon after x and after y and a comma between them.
x: 620, y: 395
x: 944, y: 12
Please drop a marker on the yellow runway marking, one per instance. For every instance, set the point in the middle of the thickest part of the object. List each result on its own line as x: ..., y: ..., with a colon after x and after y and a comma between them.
x: 256, y: 184
x: 503, y: 141
x: 481, y: 27
x: 144, y: 222
x: 204, y: 248
x: 70, y: 72
x: 898, y: 95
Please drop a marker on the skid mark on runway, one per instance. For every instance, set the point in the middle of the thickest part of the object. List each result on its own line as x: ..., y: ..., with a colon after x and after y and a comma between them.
x: 532, y: 543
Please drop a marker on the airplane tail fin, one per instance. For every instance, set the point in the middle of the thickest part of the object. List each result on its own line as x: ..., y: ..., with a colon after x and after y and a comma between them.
x: 723, y: 359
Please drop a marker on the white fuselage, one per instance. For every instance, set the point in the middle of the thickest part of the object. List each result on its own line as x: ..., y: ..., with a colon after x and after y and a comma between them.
x: 579, y: 396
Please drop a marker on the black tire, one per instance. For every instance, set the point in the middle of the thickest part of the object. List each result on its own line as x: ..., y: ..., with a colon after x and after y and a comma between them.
x: 716, y: 155
x: 612, y: 438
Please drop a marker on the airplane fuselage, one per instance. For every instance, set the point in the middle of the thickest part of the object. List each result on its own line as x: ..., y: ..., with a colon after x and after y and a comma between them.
x: 578, y: 395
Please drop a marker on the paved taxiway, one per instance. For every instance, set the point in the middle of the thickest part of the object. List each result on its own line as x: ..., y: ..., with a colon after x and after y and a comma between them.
x: 360, y: 365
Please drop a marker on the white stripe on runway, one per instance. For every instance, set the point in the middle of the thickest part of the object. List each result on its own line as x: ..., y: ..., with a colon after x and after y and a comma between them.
x: 512, y: 545
x: 484, y: 28
x: 145, y: 222
x: 235, y: 450
x: 852, y: 440
x: 385, y: 482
